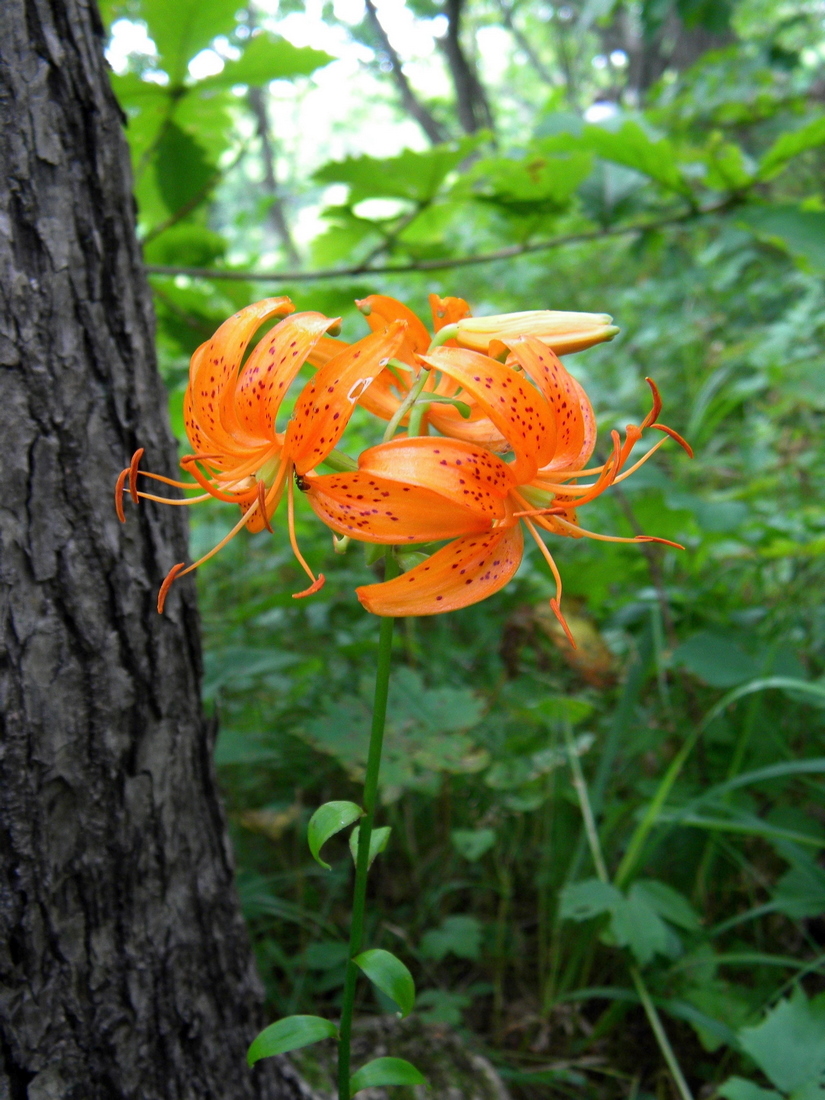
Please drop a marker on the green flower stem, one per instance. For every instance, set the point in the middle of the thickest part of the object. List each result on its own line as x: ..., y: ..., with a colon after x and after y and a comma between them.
x: 406, y: 404
x: 594, y: 844
x: 359, y: 898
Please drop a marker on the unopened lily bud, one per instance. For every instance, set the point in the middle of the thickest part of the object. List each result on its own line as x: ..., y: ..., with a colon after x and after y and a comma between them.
x: 562, y: 331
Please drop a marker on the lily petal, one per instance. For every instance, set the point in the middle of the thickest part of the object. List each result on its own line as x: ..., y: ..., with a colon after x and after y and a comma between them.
x: 377, y: 509
x: 446, y: 311
x: 328, y: 400
x: 517, y: 409
x: 467, y: 475
x: 214, y: 369
x: 462, y: 573
x: 272, y: 366
x: 381, y: 311
x: 565, y: 398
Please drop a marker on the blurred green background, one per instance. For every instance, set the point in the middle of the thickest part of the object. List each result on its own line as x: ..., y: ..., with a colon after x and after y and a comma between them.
x: 662, y: 161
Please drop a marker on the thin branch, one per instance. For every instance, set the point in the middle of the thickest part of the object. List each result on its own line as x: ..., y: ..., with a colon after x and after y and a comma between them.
x: 412, y: 104
x: 523, y: 44
x: 277, y: 214
x: 471, y: 100
x: 196, y: 199
x: 508, y: 253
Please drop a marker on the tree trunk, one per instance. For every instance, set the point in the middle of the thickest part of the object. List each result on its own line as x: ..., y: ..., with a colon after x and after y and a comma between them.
x: 125, y: 969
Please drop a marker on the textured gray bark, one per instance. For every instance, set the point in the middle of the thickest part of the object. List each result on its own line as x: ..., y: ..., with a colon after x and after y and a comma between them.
x: 125, y: 969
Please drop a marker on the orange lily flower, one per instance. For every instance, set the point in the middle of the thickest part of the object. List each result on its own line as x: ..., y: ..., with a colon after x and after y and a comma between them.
x: 421, y: 489
x: 230, y: 415
x: 562, y: 331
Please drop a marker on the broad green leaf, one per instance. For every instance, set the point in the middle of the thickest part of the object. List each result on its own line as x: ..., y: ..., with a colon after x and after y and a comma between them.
x: 737, y: 1088
x: 289, y: 1034
x: 378, y: 842
x: 788, y: 146
x: 267, y: 57
x: 668, y: 903
x: 183, y: 171
x: 717, y: 660
x: 789, y: 1044
x: 800, y: 893
x: 800, y: 232
x: 632, y: 147
x: 390, y: 975
x: 728, y: 166
x: 636, y: 924
x: 182, y: 28
x: 533, y: 183
x: 583, y: 900
x: 385, y: 1071
x: 410, y: 175
x: 328, y: 820
x: 457, y: 935
x: 473, y: 843
x: 185, y: 244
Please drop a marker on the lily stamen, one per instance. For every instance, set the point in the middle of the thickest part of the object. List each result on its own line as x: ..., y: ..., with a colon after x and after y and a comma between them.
x: 555, y: 604
x: 317, y: 582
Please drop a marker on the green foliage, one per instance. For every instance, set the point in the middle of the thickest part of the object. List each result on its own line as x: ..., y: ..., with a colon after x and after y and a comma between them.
x: 328, y: 820
x: 390, y: 975
x: 290, y: 1034
x: 385, y: 1071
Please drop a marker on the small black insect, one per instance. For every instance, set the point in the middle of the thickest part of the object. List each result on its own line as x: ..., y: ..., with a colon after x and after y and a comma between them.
x: 301, y: 482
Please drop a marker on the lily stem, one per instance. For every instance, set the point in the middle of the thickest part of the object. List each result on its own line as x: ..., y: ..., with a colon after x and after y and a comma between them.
x: 359, y: 898
x: 597, y: 855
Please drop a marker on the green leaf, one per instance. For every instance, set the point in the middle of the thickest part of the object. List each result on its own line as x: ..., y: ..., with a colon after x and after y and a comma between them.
x: 637, y: 925
x: 390, y: 975
x: 328, y: 820
x: 267, y: 57
x: 378, y: 842
x: 668, y: 903
x: 182, y: 28
x: 184, y: 173
x: 633, y: 148
x: 583, y: 900
x: 457, y: 935
x: 797, y: 231
x: 800, y: 893
x: 717, y: 660
x: 385, y: 1071
x: 473, y: 843
x: 788, y: 146
x: 289, y: 1034
x: 789, y: 1044
x: 737, y: 1088
x: 410, y: 175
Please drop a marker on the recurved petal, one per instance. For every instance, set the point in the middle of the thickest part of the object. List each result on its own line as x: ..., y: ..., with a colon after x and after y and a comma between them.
x: 378, y: 509
x: 446, y: 311
x: 214, y: 368
x: 468, y: 476
x: 466, y: 571
x: 326, y: 403
x: 518, y: 409
x: 270, y: 369
x: 381, y: 311
x: 565, y: 397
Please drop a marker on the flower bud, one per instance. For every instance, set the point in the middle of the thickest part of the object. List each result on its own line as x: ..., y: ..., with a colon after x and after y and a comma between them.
x: 562, y: 331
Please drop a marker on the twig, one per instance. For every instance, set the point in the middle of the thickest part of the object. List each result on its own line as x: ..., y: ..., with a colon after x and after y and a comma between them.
x: 510, y: 252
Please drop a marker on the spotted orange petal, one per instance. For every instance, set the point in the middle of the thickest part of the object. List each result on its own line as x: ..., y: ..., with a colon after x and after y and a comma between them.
x: 517, y: 409
x: 462, y: 573
x: 327, y: 401
x: 467, y: 475
x: 324, y: 350
x: 214, y: 369
x: 379, y: 509
x: 270, y: 369
x: 381, y: 311
x: 563, y: 395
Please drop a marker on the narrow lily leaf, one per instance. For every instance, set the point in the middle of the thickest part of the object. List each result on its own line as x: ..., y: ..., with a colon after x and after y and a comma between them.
x: 391, y: 976
x: 378, y: 842
x: 328, y: 820
x: 385, y: 1071
x: 289, y: 1034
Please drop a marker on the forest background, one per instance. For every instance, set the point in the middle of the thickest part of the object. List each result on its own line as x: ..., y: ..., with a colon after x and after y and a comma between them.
x: 661, y: 161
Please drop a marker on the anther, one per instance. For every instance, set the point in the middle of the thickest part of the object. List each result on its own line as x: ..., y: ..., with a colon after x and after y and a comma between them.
x: 316, y: 586
x: 121, y: 481
x: 133, y: 473
x: 167, y: 584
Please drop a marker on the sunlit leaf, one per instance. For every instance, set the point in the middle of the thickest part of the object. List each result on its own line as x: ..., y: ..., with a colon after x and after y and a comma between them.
x: 267, y: 57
